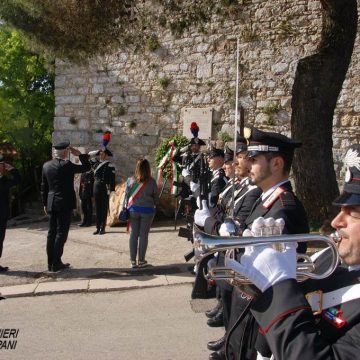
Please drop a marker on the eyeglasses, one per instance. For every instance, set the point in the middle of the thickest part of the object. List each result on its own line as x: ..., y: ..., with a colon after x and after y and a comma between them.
x: 353, y: 211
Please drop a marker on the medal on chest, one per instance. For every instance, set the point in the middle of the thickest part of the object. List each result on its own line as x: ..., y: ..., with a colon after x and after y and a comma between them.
x: 334, y: 317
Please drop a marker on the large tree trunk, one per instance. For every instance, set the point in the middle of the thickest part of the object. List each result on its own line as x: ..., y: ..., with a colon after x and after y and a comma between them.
x: 317, y: 85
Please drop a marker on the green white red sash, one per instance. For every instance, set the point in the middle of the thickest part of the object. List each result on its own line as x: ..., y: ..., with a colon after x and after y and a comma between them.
x: 174, y: 176
x: 135, y: 192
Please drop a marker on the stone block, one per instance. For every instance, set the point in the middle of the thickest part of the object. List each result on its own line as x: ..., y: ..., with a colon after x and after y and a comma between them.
x: 134, y: 109
x: 132, y: 98
x: 59, y: 110
x: 262, y: 118
x: 171, y: 68
x: 97, y: 89
x: 204, y: 71
x: 18, y: 290
x: 149, y: 140
x: 184, y: 67
x: 61, y: 287
x: 104, y: 113
x: 70, y: 100
x: 60, y: 81
x: 279, y: 68
x: 117, y: 99
x: 83, y: 124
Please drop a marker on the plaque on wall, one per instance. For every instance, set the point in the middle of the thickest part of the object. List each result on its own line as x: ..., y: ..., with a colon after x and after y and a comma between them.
x: 202, y: 116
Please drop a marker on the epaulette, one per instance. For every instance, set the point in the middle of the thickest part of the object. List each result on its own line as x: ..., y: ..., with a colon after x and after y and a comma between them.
x: 273, y: 197
x: 287, y: 198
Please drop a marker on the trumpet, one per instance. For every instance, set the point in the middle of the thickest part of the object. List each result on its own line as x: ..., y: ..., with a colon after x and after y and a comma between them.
x: 206, y: 244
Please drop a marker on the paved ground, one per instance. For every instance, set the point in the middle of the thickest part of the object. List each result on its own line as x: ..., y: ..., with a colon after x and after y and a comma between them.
x: 100, y: 307
x: 98, y: 262
x: 143, y: 324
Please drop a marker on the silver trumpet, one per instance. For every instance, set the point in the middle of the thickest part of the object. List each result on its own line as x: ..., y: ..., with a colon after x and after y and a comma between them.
x: 206, y: 244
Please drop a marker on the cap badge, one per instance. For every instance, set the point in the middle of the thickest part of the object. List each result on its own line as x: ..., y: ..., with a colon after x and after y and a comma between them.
x: 247, y: 133
x: 352, y: 159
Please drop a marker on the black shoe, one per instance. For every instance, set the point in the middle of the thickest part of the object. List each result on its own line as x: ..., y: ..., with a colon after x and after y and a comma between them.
x: 217, y: 320
x: 216, y: 344
x: 96, y: 232
x: 4, y: 268
x: 59, y: 267
x: 102, y: 232
x: 82, y: 224
x: 218, y: 355
x: 66, y: 265
x: 211, y: 313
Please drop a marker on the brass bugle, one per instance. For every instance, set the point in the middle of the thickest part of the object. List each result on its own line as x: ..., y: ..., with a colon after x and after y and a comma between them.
x: 206, y: 244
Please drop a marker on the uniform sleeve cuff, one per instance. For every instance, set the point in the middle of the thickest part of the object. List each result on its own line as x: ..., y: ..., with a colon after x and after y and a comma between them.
x: 277, y: 302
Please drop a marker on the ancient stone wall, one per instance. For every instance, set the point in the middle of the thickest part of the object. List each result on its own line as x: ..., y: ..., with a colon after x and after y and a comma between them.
x: 139, y: 96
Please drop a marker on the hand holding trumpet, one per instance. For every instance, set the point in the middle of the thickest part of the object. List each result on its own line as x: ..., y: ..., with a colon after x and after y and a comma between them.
x: 263, y: 265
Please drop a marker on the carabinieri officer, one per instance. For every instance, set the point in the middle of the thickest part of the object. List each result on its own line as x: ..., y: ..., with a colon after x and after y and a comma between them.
x: 59, y: 199
x: 104, y: 184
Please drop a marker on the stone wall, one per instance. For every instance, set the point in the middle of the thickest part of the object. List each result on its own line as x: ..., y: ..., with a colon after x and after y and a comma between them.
x: 139, y: 97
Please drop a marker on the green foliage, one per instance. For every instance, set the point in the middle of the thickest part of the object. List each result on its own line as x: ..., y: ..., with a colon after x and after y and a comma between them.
x: 225, y: 137
x: 26, y: 102
x: 79, y: 29
x: 118, y: 111
x: 286, y: 29
x: 152, y: 42
x: 164, y: 82
x: 132, y: 124
x: 180, y: 141
x: 271, y: 108
x: 249, y: 35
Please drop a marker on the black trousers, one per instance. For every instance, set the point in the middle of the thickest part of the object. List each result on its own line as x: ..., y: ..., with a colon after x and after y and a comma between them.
x: 3, y: 222
x: 87, y: 210
x: 226, y: 290
x: 59, y: 224
x: 101, y: 207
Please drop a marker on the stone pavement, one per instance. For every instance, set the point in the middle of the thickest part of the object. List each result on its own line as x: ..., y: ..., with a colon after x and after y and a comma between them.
x: 98, y: 262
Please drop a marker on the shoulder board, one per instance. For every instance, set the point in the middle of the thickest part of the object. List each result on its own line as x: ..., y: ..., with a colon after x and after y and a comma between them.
x: 273, y: 197
x: 287, y: 198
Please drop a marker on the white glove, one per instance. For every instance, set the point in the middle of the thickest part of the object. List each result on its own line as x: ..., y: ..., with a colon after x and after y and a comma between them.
x: 226, y: 229
x: 201, y: 215
x: 265, y: 267
x: 212, y: 263
x: 267, y: 227
x: 93, y: 153
x: 185, y: 172
x: 194, y: 186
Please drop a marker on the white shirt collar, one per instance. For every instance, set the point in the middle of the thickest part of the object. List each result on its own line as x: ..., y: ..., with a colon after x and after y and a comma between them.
x: 272, y: 189
x: 354, y: 267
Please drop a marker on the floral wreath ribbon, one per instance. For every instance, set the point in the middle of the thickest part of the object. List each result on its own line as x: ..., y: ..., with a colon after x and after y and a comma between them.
x: 174, y: 169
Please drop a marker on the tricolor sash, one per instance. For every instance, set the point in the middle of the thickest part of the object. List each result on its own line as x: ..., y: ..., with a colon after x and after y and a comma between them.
x: 135, y: 192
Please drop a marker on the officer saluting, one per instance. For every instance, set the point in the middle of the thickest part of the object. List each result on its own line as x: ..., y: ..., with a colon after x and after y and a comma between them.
x: 104, y: 184
x: 59, y: 199
x: 86, y: 194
